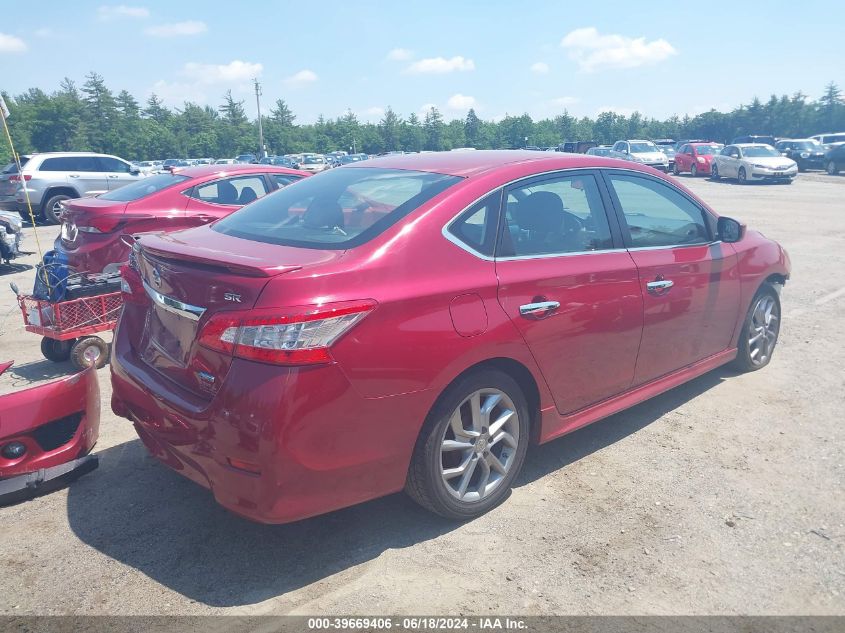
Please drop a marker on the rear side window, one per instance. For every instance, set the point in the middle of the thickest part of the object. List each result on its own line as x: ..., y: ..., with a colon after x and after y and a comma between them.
x: 67, y: 163
x: 283, y: 180
x: 338, y: 209
x: 107, y: 163
x: 476, y: 227
x: 143, y: 187
x: 232, y: 191
x: 656, y: 214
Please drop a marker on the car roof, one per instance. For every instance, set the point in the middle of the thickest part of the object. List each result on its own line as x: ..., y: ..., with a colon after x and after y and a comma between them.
x: 468, y: 164
x: 694, y: 143
x: 200, y: 171
x: 750, y: 144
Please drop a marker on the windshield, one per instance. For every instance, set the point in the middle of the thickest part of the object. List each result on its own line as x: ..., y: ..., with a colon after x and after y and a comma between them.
x: 643, y: 148
x: 811, y: 145
x: 144, y: 187
x: 341, y: 209
x: 759, y: 151
x: 708, y: 150
x: 313, y: 160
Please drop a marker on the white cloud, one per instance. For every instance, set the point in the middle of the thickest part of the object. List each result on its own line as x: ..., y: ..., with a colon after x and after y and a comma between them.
x: 563, y: 101
x: 376, y: 112
x: 539, y: 68
x: 400, y: 55
x: 302, y: 77
x: 440, y: 65
x: 594, y: 51
x: 105, y: 12
x: 177, y: 29
x: 232, y: 72
x: 461, y: 102
x: 11, y: 44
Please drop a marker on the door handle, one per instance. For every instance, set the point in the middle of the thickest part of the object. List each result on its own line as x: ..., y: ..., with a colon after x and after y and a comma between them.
x: 538, y: 309
x: 659, y: 287
x: 74, y: 175
x: 112, y: 175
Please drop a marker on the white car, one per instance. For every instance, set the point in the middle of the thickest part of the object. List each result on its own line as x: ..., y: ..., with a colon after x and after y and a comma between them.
x: 313, y: 163
x: 753, y: 162
x: 640, y: 151
x: 830, y: 138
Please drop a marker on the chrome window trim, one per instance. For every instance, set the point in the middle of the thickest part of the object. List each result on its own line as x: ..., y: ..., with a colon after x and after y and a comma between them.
x: 173, y: 305
x: 469, y: 249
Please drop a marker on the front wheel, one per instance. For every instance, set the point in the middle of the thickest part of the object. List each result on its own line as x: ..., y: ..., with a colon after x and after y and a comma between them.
x: 88, y: 351
x: 693, y: 170
x: 714, y: 172
x: 832, y: 169
x: 760, y: 331
x: 471, y: 447
x: 741, y: 176
x: 675, y: 169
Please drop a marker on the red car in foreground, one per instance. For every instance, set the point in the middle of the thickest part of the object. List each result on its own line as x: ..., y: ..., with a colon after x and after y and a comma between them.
x: 92, y: 227
x: 413, y: 322
x: 696, y: 158
x: 47, y: 433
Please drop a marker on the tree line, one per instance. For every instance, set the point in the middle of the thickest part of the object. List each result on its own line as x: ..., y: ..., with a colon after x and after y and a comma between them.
x: 93, y: 118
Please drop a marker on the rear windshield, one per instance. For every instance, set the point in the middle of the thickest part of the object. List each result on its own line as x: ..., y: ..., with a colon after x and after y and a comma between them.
x: 12, y: 168
x: 144, y: 187
x: 337, y: 209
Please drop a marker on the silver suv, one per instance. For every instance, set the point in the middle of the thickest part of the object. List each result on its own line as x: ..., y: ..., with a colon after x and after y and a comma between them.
x: 53, y: 177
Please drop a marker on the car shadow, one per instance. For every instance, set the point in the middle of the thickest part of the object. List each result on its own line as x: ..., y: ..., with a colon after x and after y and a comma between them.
x: 13, y: 267
x: 139, y: 513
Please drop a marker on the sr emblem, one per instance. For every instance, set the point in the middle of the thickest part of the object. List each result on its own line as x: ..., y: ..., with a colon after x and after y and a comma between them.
x: 231, y: 296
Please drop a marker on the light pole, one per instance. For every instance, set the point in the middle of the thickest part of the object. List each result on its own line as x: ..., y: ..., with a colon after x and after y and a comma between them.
x: 260, y: 126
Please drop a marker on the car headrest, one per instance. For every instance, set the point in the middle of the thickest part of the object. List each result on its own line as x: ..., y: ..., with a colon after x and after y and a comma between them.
x: 247, y: 195
x: 541, y: 211
x: 226, y: 193
x: 323, y: 214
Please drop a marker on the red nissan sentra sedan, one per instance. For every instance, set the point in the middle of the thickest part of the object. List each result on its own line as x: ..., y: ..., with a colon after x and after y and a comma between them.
x: 92, y: 227
x: 415, y: 321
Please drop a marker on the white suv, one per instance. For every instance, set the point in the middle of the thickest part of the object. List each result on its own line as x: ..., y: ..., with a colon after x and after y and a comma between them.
x: 53, y: 177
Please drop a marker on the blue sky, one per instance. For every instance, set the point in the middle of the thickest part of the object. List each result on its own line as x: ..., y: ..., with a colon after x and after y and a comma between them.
x: 499, y: 57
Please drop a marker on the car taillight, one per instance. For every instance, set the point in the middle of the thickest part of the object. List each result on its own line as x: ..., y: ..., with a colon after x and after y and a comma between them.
x: 131, y: 285
x: 17, y: 178
x: 284, y: 336
x: 105, y: 224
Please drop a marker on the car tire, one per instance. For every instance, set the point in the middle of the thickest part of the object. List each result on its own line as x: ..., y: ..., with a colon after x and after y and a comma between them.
x: 56, y: 351
x: 693, y: 171
x: 675, y: 169
x: 460, y: 483
x: 831, y: 168
x: 741, y: 177
x: 759, y: 334
x: 714, y: 172
x: 51, y: 207
x: 89, y: 350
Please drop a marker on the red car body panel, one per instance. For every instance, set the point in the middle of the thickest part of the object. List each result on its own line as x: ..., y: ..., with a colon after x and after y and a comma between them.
x: 23, y: 413
x: 166, y: 210
x: 684, y: 161
x: 277, y: 443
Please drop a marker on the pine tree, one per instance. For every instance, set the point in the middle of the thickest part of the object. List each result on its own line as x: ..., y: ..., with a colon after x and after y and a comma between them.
x: 156, y: 111
x: 472, y: 129
x: 232, y: 111
x: 282, y: 114
x: 100, y: 112
x: 433, y: 129
x: 389, y: 128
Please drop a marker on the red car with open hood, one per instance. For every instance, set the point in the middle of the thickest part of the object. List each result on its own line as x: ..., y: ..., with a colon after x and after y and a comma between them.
x: 414, y: 322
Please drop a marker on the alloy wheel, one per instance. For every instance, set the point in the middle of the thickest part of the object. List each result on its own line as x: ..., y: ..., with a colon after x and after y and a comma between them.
x: 741, y: 176
x: 693, y: 170
x: 479, y: 445
x: 763, y: 330
x: 714, y: 172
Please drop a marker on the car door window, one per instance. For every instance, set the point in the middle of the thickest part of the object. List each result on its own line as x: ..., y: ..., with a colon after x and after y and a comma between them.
x: 113, y: 165
x: 283, y: 180
x: 59, y: 164
x: 564, y: 214
x: 87, y: 164
x: 656, y: 214
x: 476, y: 227
x: 231, y: 191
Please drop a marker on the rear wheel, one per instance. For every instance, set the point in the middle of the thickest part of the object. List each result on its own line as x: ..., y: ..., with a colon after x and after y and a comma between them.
x: 471, y: 447
x: 714, y: 172
x: 52, y: 208
x: 832, y: 169
x: 741, y: 176
x: 675, y: 169
x: 693, y: 170
x: 89, y: 350
x: 760, y: 331
x: 56, y: 351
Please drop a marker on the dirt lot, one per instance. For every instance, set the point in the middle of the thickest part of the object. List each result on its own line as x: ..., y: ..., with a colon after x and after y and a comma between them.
x: 723, y: 496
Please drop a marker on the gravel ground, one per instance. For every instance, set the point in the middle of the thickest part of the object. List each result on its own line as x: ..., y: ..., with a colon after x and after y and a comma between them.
x: 723, y: 496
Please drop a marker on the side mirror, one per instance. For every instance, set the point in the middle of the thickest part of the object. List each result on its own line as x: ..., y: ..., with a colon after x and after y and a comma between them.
x: 134, y: 169
x: 729, y: 230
